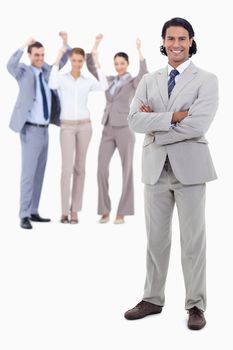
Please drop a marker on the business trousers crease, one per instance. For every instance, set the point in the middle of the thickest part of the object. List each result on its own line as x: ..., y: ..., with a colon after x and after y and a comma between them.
x: 34, y: 149
x: 160, y: 199
x: 123, y: 139
x: 74, y: 138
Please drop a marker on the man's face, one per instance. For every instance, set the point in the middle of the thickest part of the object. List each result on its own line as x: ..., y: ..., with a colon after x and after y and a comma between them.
x: 37, y: 57
x: 177, y: 45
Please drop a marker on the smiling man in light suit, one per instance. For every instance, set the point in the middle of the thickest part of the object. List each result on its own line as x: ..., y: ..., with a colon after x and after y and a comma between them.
x: 174, y: 107
x: 36, y: 107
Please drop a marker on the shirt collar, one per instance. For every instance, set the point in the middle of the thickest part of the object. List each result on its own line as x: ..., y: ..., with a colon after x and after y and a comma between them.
x: 36, y: 70
x: 75, y: 79
x: 180, y: 68
x: 123, y: 77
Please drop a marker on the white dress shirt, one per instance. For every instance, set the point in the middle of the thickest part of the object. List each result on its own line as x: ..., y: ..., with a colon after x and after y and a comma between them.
x: 37, y: 114
x: 181, y: 68
x: 73, y: 92
x: 118, y: 83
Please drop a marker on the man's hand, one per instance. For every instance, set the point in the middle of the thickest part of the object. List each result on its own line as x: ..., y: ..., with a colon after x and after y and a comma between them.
x: 145, y: 109
x: 64, y: 37
x: 178, y: 116
x: 29, y: 42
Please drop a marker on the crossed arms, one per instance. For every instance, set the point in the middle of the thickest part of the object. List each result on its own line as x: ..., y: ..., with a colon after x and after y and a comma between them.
x: 189, y: 124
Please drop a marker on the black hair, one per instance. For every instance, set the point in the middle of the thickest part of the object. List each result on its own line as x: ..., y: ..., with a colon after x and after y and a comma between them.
x: 122, y: 54
x: 179, y: 22
x: 36, y: 44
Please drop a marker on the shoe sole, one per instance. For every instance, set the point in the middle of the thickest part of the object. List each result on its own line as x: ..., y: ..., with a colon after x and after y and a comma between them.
x: 196, y: 328
x: 138, y: 318
x: 39, y: 221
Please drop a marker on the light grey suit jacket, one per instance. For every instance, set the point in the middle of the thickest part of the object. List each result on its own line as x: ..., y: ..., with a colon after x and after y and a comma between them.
x: 185, y: 144
x: 27, y: 90
x: 117, y: 106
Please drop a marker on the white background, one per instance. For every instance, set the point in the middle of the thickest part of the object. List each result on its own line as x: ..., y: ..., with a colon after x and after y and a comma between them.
x: 67, y: 287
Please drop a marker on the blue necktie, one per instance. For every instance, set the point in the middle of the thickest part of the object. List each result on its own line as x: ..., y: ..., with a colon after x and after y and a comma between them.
x: 171, y: 81
x: 44, y: 98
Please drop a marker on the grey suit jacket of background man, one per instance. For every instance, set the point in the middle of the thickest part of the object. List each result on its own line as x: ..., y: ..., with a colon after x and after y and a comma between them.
x: 27, y: 94
x: 185, y: 143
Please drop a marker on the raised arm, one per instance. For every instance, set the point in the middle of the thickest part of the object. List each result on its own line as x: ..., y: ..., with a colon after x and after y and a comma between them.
x: 146, y: 122
x: 102, y: 83
x: 92, y: 58
x: 13, y: 65
x: 142, y: 64
x: 54, y: 77
x: 66, y: 47
x: 200, y: 116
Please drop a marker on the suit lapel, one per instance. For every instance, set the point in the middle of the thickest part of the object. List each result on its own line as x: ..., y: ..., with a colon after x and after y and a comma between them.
x: 33, y: 78
x: 110, y: 96
x: 45, y: 73
x: 162, y: 85
x: 127, y: 80
x: 186, y: 77
x: 118, y: 89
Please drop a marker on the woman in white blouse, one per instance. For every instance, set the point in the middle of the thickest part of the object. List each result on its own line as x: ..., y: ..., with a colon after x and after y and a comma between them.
x: 76, y: 129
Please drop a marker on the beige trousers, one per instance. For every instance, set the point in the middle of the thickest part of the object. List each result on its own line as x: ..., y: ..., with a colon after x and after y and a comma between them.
x: 75, y: 138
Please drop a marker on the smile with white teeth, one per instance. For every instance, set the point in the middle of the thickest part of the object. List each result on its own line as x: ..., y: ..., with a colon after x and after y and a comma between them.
x: 177, y: 51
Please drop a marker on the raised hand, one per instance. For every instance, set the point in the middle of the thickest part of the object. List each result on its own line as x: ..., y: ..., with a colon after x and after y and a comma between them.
x: 29, y: 42
x: 98, y: 39
x: 138, y: 44
x: 64, y: 37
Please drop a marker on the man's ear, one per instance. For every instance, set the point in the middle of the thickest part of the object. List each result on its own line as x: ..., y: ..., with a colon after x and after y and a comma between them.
x: 191, y: 42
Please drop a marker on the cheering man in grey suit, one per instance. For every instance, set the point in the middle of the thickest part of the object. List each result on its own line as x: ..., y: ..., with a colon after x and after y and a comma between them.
x: 174, y: 108
x: 35, y: 108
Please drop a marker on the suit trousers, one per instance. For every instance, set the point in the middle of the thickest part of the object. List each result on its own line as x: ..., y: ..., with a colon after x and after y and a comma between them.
x: 75, y: 137
x: 34, y: 149
x: 123, y: 139
x: 160, y: 199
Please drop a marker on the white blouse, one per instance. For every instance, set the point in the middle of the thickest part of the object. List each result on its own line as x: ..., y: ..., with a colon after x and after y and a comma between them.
x: 73, y: 92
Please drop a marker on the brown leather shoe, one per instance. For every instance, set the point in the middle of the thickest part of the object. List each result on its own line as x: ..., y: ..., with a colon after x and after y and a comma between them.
x: 196, y: 319
x: 142, y: 309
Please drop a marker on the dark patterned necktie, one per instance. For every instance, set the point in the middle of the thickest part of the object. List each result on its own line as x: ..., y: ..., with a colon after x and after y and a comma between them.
x: 44, y: 98
x: 171, y: 81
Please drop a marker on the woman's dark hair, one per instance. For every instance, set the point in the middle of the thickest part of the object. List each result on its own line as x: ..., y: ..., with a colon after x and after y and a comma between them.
x: 78, y: 51
x: 122, y: 54
x: 179, y: 22
x: 35, y: 44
